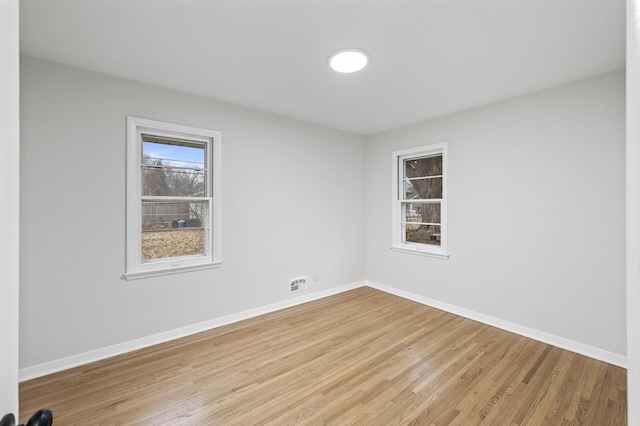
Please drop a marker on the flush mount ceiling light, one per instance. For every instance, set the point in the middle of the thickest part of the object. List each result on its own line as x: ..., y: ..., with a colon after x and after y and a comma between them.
x: 348, y: 60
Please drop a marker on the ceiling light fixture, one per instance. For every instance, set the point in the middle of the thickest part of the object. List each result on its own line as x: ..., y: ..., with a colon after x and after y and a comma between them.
x: 348, y: 60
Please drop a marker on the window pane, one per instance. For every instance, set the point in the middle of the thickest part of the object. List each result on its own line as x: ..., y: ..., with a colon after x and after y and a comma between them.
x: 423, y: 189
x: 419, y: 205
x: 426, y: 166
x: 173, y: 170
x: 424, y: 234
x: 426, y: 213
x: 173, y: 229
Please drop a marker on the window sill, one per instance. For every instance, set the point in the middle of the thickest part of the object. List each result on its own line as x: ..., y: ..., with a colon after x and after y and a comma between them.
x: 420, y: 252
x: 130, y: 276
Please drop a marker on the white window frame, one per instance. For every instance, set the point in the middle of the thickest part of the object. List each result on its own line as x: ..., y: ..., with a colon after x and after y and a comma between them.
x: 135, y: 268
x: 397, y: 241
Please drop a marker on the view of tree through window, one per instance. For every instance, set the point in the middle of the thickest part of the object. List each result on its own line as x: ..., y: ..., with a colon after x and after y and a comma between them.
x: 422, y: 195
x: 174, y: 206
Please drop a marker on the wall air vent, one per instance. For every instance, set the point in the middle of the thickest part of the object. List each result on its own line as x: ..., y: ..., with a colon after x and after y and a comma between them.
x: 297, y: 284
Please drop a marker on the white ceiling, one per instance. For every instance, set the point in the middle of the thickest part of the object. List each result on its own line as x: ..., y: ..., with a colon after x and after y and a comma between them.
x: 428, y: 57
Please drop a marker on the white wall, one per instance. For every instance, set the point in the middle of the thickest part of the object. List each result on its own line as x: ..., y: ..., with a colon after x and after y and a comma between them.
x: 536, y: 212
x: 633, y: 211
x: 292, y: 204
x: 9, y: 204
x: 9, y: 216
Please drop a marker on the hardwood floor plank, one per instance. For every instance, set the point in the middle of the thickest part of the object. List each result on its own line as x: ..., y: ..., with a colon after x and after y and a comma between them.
x: 362, y: 357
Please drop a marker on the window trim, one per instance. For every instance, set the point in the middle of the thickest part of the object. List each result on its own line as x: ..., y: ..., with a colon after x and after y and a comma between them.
x: 134, y: 267
x: 397, y: 243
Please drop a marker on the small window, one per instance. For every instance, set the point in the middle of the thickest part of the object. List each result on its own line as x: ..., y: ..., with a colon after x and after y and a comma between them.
x: 419, y: 200
x: 173, y: 198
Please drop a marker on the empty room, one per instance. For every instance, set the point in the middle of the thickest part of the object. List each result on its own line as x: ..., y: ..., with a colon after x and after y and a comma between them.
x: 320, y: 212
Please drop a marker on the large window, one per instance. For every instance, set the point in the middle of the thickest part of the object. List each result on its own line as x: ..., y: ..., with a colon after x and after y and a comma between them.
x: 419, y: 200
x: 173, y: 193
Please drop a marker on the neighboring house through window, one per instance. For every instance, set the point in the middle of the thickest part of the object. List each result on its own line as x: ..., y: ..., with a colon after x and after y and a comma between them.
x: 420, y: 200
x: 173, y: 198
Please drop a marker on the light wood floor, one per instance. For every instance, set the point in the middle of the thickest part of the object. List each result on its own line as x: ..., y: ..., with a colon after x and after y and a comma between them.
x: 362, y: 357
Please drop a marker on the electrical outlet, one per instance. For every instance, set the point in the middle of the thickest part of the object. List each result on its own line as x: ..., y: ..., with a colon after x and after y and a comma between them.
x: 315, y: 275
x: 297, y: 284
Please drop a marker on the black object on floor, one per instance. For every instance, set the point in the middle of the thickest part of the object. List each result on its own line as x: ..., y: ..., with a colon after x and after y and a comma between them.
x: 43, y: 417
x: 8, y: 420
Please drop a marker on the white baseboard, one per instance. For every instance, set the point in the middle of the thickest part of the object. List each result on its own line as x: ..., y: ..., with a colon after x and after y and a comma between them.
x: 551, y: 339
x: 61, y: 364
x: 132, y: 345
